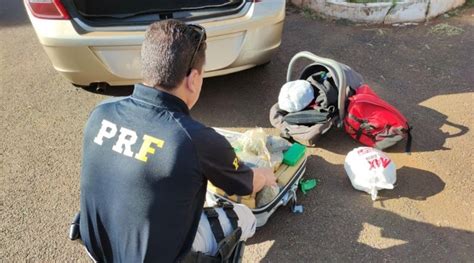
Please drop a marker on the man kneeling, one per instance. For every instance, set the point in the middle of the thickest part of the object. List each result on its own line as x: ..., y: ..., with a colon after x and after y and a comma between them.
x: 146, y: 162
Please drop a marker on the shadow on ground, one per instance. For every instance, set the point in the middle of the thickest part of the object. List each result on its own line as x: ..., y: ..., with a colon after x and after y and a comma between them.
x: 414, y: 184
x: 349, y: 228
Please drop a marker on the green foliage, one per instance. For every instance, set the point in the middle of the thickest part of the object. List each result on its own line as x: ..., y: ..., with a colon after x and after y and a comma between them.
x: 445, y: 29
x: 310, y: 13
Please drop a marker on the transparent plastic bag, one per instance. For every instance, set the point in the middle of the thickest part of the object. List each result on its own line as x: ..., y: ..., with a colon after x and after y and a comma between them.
x: 276, y: 159
x: 252, y: 160
x: 256, y: 149
x: 277, y: 144
x: 266, y: 195
x: 254, y: 141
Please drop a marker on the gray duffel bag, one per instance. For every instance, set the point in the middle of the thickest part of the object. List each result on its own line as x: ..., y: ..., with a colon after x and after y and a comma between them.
x: 307, y: 135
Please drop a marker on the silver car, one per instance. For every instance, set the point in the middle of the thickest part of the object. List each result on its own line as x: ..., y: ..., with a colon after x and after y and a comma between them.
x: 92, y: 42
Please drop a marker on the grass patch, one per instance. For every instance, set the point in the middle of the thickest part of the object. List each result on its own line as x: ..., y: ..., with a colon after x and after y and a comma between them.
x: 458, y: 11
x: 445, y: 29
x: 310, y: 13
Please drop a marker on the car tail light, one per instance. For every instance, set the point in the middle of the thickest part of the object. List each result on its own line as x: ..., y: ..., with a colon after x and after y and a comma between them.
x: 48, y: 9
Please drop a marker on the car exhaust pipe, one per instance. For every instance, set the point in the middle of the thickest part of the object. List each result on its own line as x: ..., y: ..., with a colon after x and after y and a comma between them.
x: 100, y: 87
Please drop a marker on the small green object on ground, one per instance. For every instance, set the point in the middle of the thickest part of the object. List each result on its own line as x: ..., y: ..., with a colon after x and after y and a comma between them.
x: 294, y: 154
x: 307, y: 185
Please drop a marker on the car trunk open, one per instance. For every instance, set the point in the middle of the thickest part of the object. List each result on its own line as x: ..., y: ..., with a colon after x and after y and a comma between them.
x: 125, y: 12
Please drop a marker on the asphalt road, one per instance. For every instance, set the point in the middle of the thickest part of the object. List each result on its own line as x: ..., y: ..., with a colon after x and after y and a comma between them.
x: 428, y: 76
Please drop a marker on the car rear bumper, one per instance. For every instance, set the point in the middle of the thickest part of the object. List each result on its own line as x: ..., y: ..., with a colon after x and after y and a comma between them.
x: 114, y: 56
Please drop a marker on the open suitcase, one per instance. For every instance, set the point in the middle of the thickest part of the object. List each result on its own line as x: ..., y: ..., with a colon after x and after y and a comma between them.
x: 288, y: 178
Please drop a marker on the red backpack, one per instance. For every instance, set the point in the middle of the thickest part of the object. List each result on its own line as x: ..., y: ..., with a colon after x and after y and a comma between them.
x: 373, y: 122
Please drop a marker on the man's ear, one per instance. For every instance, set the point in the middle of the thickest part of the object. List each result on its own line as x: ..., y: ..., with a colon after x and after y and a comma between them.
x: 192, y: 81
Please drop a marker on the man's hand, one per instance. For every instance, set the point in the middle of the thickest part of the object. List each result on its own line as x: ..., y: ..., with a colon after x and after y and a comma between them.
x: 263, y: 177
x: 270, y: 179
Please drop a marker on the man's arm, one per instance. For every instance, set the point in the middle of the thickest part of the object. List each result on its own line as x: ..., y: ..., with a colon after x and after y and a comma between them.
x: 221, y: 166
x: 262, y: 177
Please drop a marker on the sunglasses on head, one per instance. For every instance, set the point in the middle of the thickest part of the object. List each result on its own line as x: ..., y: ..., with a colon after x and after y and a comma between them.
x: 202, y: 37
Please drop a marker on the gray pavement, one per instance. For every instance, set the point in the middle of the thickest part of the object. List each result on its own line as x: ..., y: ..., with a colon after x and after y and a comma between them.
x: 428, y: 76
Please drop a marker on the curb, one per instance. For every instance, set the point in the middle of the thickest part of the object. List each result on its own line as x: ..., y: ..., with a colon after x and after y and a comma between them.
x: 388, y: 12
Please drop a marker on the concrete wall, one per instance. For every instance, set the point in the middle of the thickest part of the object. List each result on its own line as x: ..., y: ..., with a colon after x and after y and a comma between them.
x: 383, y: 12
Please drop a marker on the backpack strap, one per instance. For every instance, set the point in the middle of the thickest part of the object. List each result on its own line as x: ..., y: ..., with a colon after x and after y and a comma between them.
x: 364, y: 125
x: 409, y: 138
x: 359, y: 133
x: 352, y: 116
x: 216, y: 227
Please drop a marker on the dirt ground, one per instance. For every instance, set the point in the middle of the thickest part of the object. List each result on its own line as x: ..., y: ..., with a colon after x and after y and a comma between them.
x: 426, y: 71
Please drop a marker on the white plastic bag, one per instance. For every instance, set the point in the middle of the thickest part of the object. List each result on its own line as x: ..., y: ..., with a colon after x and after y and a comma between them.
x: 295, y: 95
x: 370, y: 170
